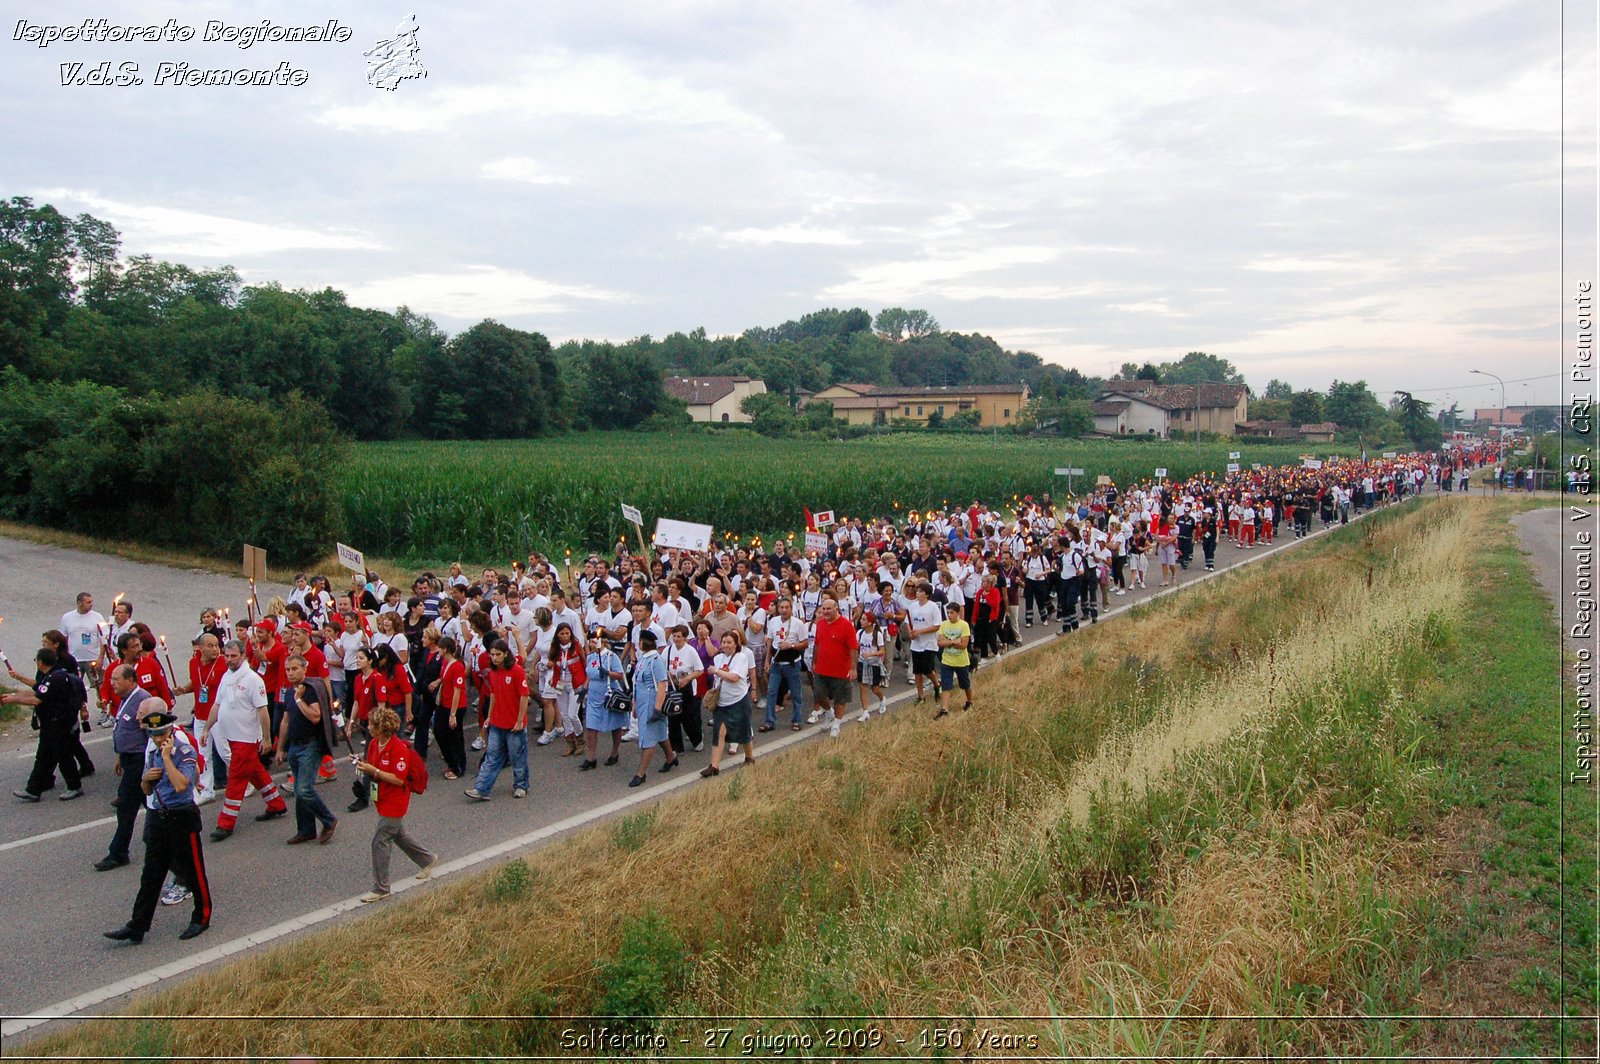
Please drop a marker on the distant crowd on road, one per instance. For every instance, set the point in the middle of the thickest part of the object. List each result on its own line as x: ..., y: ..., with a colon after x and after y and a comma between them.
x: 674, y: 652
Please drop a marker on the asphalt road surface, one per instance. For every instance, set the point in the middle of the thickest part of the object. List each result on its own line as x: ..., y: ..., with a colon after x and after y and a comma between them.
x: 54, y: 906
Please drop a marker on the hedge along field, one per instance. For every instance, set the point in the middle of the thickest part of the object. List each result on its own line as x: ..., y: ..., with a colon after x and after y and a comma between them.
x: 500, y: 499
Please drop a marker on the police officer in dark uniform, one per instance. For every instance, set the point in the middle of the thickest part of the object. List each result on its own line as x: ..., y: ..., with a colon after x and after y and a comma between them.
x: 1208, y: 538
x: 55, y: 715
x: 171, y: 764
x: 1186, y: 524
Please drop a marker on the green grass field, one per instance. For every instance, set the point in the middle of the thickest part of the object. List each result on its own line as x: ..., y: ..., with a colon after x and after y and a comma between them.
x: 493, y: 500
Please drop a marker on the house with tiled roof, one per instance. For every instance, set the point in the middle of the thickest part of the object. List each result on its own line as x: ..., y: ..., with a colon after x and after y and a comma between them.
x: 869, y: 404
x: 715, y: 399
x: 1161, y: 409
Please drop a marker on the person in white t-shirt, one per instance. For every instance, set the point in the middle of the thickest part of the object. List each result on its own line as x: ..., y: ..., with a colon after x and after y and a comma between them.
x: 753, y: 622
x: 732, y: 671
x: 515, y: 621
x: 923, y: 616
x: 84, y: 628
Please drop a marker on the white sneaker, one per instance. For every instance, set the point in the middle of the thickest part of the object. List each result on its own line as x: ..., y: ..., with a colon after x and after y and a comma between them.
x: 1120, y: 591
x: 699, y: 746
x: 477, y: 744
x: 374, y: 895
x: 833, y: 729
x: 427, y: 870
x: 175, y: 894
x: 631, y: 735
x: 816, y: 715
x: 250, y: 788
x: 866, y: 715
x: 883, y: 708
x: 546, y: 739
x: 519, y: 793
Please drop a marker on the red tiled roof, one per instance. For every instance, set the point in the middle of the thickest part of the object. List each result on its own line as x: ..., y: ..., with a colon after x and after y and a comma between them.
x: 702, y: 391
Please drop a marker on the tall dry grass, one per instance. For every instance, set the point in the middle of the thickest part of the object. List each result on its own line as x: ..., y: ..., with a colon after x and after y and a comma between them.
x: 966, y: 867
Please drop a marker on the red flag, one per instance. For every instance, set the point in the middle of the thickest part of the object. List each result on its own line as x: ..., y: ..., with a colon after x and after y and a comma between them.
x: 811, y: 524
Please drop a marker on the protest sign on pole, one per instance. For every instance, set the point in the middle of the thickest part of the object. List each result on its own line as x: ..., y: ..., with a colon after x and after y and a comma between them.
x: 682, y: 535
x: 352, y: 559
x: 632, y: 515
x: 1161, y: 472
x: 822, y: 518
x: 1233, y: 456
x: 1233, y: 467
x: 1313, y: 463
x: 816, y: 541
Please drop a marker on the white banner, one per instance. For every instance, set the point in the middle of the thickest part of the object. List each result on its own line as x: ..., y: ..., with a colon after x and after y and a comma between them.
x: 352, y: 559
x: 1391, y: 454
x: 1313, y: 463
x: 630, y: 513
x: 1256, y: 466
x: 822, y: 518
x: 1161, y: 471
x: 817, y: 541
x: 1233, y: 456
x: 682, y: 535
x: 1233, y: 467
x: 1063, y: 471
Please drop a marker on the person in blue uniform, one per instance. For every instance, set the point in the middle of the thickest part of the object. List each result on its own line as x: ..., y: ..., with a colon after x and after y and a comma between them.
x: 171, y: 828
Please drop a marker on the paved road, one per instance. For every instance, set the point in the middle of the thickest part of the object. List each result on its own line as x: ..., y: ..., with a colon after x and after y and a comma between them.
x: 1545, y: 535
x: 54, y: 906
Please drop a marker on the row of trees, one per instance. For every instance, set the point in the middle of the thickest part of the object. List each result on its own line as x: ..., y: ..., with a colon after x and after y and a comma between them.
x: 72, y: 310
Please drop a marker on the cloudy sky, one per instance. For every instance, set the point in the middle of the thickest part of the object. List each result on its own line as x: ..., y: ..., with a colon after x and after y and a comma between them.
x: 1315, y: 191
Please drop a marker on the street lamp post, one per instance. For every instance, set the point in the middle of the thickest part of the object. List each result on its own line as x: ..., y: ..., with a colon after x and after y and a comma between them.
x: 1502, y: 383
x: 1502, y: 436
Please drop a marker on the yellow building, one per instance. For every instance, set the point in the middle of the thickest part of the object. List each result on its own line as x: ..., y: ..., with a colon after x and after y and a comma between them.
x: 869, y: 404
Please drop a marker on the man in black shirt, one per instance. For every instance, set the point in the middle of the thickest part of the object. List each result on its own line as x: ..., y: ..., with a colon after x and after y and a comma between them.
x: 305, y: 737
x: 56, y: 703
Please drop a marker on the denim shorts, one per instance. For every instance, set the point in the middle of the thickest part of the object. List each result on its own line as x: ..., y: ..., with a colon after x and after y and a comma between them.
x: 950, y: 676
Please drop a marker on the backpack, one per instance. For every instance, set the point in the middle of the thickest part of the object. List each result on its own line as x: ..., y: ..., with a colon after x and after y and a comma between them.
x: 416, y: 772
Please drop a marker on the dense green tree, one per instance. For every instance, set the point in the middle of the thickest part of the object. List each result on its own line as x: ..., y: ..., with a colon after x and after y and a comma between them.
x: 1269, y: 409
x: 770, y: 413
x: 1277, y: 389
x: 622, y: 387
x: 1352, y: 405
x: 507, y: 379
x: 1197, y: 367
x: 898, y: 324
x: 1417, y: 421
x: 1305, y: 408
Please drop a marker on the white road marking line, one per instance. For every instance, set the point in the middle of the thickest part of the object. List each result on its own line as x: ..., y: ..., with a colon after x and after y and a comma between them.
x: 31, y: 839
x: 61, y: 1009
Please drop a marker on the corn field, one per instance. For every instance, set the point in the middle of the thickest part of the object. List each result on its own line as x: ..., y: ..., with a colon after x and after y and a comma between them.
x: 484, y: 501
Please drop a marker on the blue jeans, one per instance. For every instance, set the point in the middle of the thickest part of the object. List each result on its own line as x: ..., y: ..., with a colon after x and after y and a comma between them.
x: 504, y: 744
x: 785, y: 674
x: 305, y: 759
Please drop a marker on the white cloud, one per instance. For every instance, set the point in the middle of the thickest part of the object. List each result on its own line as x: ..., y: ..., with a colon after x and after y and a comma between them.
x: 170, y: 231
x: 556, y: 84
x: 893, y: 282
x: 521, y: 168
x: 476, y: 292
x: 791, y: 233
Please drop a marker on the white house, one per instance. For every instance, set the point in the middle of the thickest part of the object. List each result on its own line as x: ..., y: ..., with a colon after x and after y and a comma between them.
x: 715, y: 399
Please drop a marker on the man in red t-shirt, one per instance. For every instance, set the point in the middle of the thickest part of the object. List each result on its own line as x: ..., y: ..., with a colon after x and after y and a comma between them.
x: 833, y: 663
x: 508, y: 723
x: 388, y: 765
x: 268, y: 657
